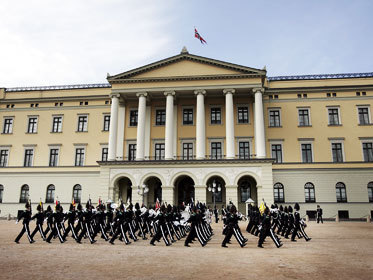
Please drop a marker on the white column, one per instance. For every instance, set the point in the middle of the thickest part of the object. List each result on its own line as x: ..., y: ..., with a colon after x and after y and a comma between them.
x: 147, y: 132
x: 260, y: 147
x: 200, y: 125
x: 229, y: 123
x: 141, y: 115
x: 120, y: 131
x: 113, y: 127
x: 168, y: 149
x: 175, y: 132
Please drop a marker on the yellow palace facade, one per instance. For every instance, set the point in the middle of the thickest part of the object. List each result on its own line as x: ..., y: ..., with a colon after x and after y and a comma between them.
x: 178, y: 128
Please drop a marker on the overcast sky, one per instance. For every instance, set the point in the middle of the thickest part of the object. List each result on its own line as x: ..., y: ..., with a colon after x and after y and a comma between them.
x: 54, y: 42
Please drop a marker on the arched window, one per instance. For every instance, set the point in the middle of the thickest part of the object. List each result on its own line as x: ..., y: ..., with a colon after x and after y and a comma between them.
x: 309, y: 192
x: 24, y: 194
x: 77, y: 193
x: 370, y: 191
x: 50, y: 194
x: 1, y: 193
x: 278, y: 193
x: 340, y: 189
x: 245, y: 189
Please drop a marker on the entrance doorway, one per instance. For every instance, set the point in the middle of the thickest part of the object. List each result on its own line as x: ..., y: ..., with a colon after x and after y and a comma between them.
x: 124, y: 190
x: 184, y: 187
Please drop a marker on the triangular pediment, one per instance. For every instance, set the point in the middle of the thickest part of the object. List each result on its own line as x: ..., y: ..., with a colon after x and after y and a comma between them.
x: 186, y: 66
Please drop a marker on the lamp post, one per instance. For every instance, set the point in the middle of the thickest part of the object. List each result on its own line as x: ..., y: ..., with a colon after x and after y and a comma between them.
x: 215, y: 189
x: 142, y: 190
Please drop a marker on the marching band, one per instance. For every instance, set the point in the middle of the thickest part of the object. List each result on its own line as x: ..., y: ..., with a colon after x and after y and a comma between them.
x: 169, y: 223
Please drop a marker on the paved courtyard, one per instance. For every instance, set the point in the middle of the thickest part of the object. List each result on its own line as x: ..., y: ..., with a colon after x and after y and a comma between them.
x: 337, y: 251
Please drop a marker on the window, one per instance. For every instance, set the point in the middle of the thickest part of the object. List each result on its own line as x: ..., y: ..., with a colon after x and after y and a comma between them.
x: 306, y: 153
x: 82, y: 123
x: 24, y: 194
x: 160, y: 117
x: 32, y: 126
x: 243, y: 114
x: 79, y: 156
x: 131, y: 151
x: 277, y: 152
x: 368, y: 151
x: 50, y: 194
x: 1, y: 193
x: 337, y: 152
x: 133, y: 118
x: 53, y: 156
x: 215, y: 115
x: 104, y: 154
x: 245, y: 189
x: 370, y: 191
x: 187, y: 151
x: 274, y: 118
x: 216, y: 150
x: 187, y: 116
x: 333, y: 114
x: 106, y: 123
x: 77, y: 193
x: 29, y: 155
x: 363, y: 115
x: 304, y: 117
x: 4, y: 154
x: 341, y: 192
x: 309, y: 192
x: 159, y: 151
x: 57, y: 124
x: 244, y: 150
x: 8, y: 126
x: 278, y: 193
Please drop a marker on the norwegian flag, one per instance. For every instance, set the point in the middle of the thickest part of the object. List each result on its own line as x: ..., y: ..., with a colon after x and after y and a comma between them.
x: 157, y: 204
x: 199, y: 37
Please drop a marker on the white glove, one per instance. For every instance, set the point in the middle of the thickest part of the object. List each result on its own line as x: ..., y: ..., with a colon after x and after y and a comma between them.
x: 16, y: 222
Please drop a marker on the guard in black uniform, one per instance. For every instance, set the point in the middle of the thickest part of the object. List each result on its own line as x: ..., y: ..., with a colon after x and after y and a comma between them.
x: 231, y: 225
x: 70, y: 217
x: 160, y: 220
x: 26, y: 216
x: 40, y: 216
x: 319, y: 214
x: 297, y: 225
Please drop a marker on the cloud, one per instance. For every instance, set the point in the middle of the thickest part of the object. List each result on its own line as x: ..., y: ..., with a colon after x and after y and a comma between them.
x: 66, y: 42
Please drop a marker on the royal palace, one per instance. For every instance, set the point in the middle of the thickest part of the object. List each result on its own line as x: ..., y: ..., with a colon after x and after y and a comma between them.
x: 179, y: 128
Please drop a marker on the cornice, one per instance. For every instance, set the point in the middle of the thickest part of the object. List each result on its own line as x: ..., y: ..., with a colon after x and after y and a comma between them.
x: 319, y: 88
x: 55, y: 99
x: 184, y: 78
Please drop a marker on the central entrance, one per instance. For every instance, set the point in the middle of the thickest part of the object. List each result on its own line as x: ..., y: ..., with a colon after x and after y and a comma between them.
x: 184, y: 187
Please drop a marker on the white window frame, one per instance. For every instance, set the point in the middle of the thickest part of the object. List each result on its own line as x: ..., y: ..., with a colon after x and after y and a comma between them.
x: 155, y: 116
x: 309, y: 116
x: 193, y: 114
x: 369, y: 114
x: 80, y: 146
x: 6, y: 148
x: 221, y: 140
x: 248, y: 113
x: 301, y: 153
x: 28, y: 123
x: 128, y: 143
x: 278, y: 142
x: 365, y: 140
x: 244, y: 139
x: 28, y: 147
x: 129, y: 117
x: 12, y: 126
x: 157, y: 141
x: 102, y: 147
x: 343, y: 149
x: 188, y: 141
x: 269, y: 117
x: 57, y: 116
x: 211, y: 106
x: 103, y: 122
x: 339, y: 115
x: 77, y: 126
x: 56, y: 147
